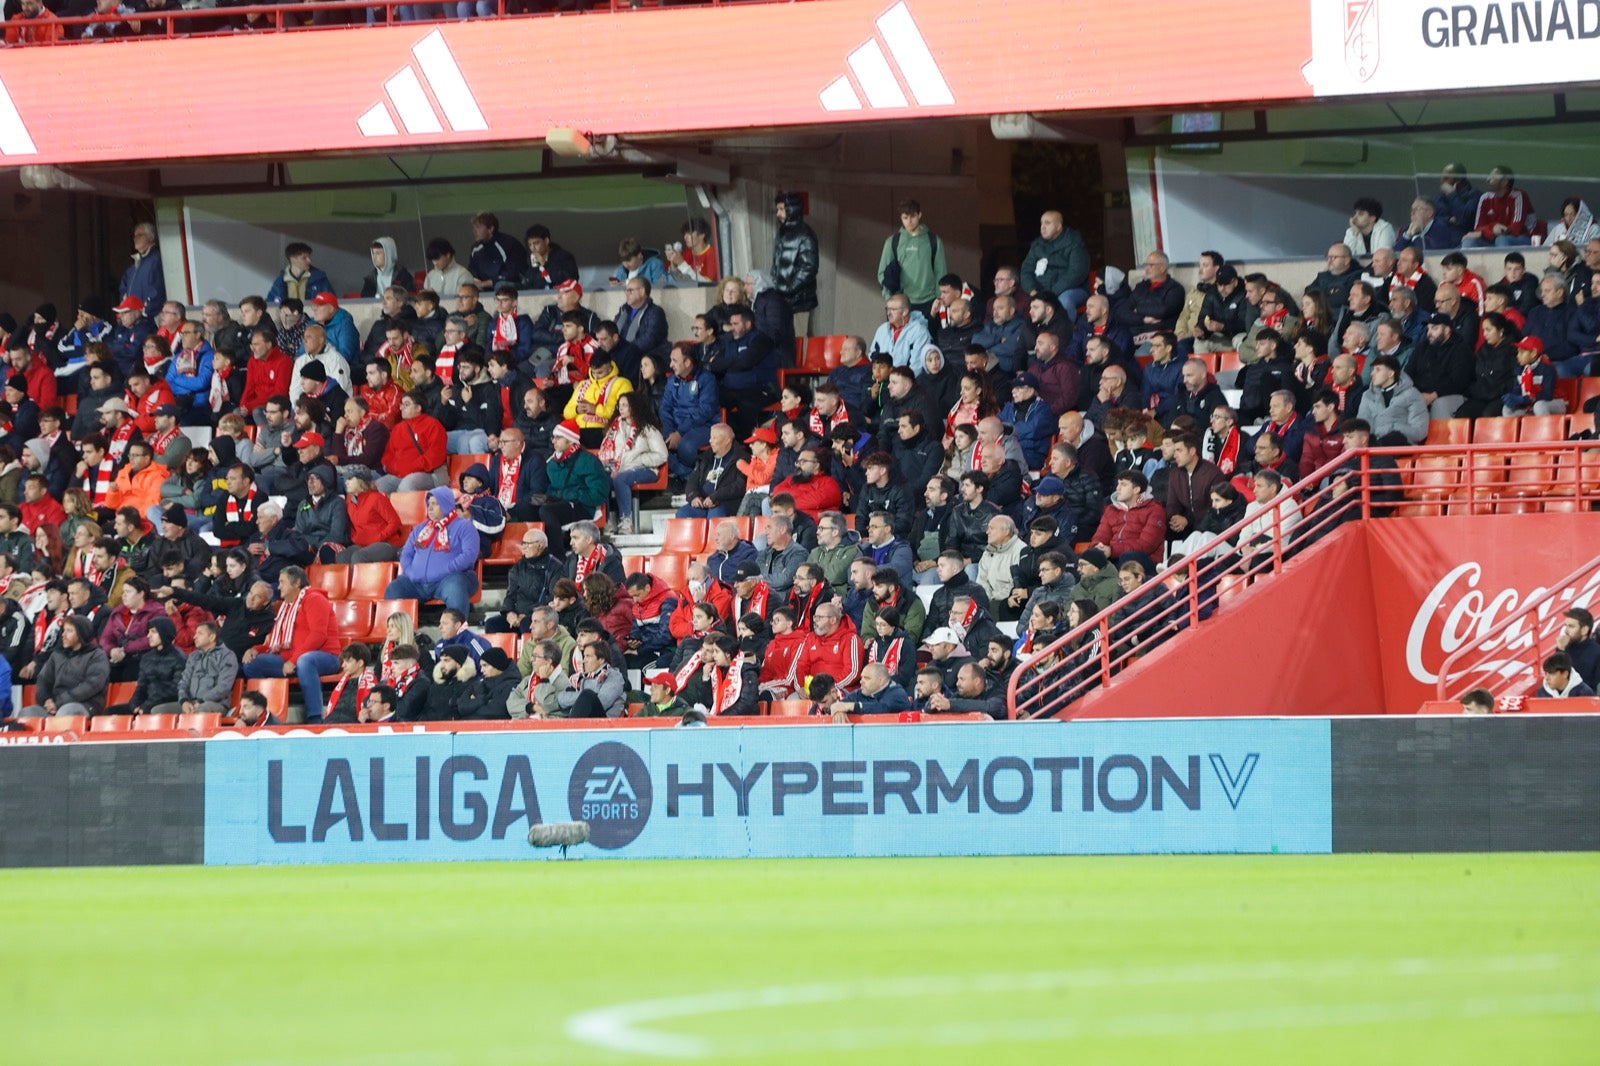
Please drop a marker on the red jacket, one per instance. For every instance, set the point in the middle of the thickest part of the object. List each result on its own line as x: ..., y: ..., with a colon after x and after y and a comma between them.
x: 266, y: 378
x: 1140, y: 528
x: 649, y: 608
x: 1514, y: 211
x: 46, y: 510
x: 681, y: 624
x: 314, y: 628
x: 373, y: 520
x: 619, y: 620
x: 779, y: 658
x: 820, y: 494
x: 42, y: 384
x: 187, y: 617
x: 1319, y: 447
x: 838, y: 654
x: 159, y: 394
x: 416, y: 446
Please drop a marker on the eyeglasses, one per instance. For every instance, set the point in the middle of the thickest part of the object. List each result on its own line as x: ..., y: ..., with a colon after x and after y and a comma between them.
x: 530, y: 544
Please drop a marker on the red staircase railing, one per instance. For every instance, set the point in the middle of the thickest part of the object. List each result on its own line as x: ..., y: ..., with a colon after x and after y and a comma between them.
x: 1497, y: 478
x: 1506, y: 659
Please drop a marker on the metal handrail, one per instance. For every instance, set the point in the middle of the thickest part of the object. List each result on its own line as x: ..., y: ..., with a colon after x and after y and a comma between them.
x: 1511, y: 652
x: 294, y: 16
x: 1071, y: 665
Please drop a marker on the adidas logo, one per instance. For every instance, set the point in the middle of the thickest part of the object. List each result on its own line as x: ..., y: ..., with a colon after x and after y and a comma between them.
x: 875, y: 76
x: 418, y: 113
x: 14, y: 139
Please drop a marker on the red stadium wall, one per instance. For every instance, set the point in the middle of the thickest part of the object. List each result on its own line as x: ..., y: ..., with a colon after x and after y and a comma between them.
x: 1361, y: 624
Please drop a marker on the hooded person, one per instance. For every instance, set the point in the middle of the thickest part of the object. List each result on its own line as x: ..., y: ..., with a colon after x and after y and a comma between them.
x: 942, y: 386
x: 386, y: 270
x: 489, y: 694
x: 773, y: 319
x: 794, y: 255
x: 488, y: 515
x: 74, y: 679
x: 440, y: 556
x: 160, y: 669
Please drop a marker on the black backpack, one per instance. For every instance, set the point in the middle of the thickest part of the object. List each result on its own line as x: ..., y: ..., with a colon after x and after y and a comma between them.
x: 891, y: 273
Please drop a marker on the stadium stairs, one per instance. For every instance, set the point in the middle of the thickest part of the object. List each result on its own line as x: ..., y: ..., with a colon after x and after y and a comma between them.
x: 1357, y: 608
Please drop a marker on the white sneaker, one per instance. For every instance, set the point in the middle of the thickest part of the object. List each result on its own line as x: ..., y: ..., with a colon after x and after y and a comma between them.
x: 624, y: 528
x: 680, y: 500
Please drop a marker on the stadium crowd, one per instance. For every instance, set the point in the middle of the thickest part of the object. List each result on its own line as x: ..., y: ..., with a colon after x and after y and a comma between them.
x: 173, y: 478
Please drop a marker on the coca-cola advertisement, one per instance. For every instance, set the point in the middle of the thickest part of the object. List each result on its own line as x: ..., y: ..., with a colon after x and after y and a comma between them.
x: 1441, y: 584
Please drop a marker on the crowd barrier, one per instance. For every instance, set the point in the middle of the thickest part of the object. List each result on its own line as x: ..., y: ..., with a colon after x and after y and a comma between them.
x: 1513, y: 782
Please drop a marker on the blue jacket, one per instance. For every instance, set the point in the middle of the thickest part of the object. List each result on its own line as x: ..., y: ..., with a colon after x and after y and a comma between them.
x: 648, y: 326
x: 425, y: 565
x: 341, y: 330
x: 653, y: 270
x: 127, y: 345
x: 1004, y: 342
x: 475, y: 644
x: 196, y: 388
x: 1033, y: 428
x: 853, y: 383
x: 1163, y: 382
x: 750, y: 362
x: 524, y: 345
x: 72, y: 345
x: 721, y: 565
x: 145, y: 279
x: 1117, y: 334
x: 690, y: 404
x: 316, y: 283
x: 1437, y: 236
x: 891, y: 699
x: 1552, y: 325
x: 896, y: 553
x: 1458, y: 209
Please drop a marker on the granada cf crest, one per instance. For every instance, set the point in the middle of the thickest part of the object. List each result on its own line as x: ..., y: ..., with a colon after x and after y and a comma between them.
x: 1361, y: 37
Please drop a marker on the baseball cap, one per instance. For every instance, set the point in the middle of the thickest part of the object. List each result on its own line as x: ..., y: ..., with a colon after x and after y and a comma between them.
x: 1050, y: 486
x: 1531, y: 344
x: 325, y: 299
x: 746, y: 571
x: 765, y: 433
x: 309, y: 440
x: 662, y: 677
x: 1439, y: 318
x: 130, y: 303
x: 570, y: 285
x: 942, y: 635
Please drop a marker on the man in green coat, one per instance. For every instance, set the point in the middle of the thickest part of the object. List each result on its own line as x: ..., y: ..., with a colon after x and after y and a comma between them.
x: 833, y: 552
x: 918, y: 256
x: 1058, y: 262
x: 578, y: 486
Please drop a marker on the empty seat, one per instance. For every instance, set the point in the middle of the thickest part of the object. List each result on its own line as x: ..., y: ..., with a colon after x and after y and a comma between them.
x: 369, y: 580
x: 275, y: 689
x: 671, y: 568
x: 508, y: 549
x: 111, y: 723
x: 412, y: 507
x: 506, y: 642
x: 1542, y: 428
x: 1494, y: 430
x: 63, y: 723
x: 635, y: 564
x: 200, y: 722
x: 459, y: 464
x: 789, y: 708
x: 1434, y: 477
x: 332, y: 578
x: 120, y: 692
x: 1450, y: 431
x: 685, y: 536
x: 155, y: 723
x: 353, y: 618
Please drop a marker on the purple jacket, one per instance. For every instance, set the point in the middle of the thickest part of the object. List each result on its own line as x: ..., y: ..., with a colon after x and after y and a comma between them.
x: 426, y: 565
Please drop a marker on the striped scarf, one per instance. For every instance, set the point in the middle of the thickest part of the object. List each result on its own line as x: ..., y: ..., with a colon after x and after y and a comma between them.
x: 98, y: 482
x: 283, y: 626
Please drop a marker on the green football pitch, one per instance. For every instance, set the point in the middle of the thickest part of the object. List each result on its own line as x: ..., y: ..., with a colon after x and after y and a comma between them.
x: 1333, y: 959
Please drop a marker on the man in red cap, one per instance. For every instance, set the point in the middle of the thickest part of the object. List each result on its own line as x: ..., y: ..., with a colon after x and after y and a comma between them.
x: 336, y: 323
x: 546, y: 332
x: 1535, y: 389
x: 664, y: 701
x: 578, y: 486
x: 128, y: 336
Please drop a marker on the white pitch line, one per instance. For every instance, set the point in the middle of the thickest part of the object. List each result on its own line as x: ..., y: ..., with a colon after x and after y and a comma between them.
x: 626, y: 1027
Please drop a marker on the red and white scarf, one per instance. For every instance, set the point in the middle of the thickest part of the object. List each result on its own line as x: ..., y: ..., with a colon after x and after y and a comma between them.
x: 233, y: 513
x: 83, y: 565
x: 98, y: 481
x: 282, y: 634
x: 840, y: 417
x: 1228, y: 455
x: 892, y: 654
x: 399, y: 359
x: 435, y: 533
x: 46, y: 629
x: 505, y: 333
x: 121, y: 439
x: 445, y: 365
x: 1343, y: 393
x: 572, y: 359
x: 727, y: 684
x: 1282, y: 430
x: 612, y: 449
x: 160, y: 441
x: 588, y: 564
x: 760, y: 597
x: 1275, y: 319
x: 217, y: 396
x: 507, y: 490
x: 803, y: 607
x: 355, y: 437
x: 977, y: 455
x: 1525, y: 380
x: 365, y: 683
x: 1411, y: 280
x: 186, y: 361
x: 962, y: 414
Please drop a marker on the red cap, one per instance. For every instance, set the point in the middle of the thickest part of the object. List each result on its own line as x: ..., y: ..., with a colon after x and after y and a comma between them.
x: 570, y: 285
x: 130, y: 303
x: 765, y: 433
x: 325, y: 299
x: 662, y: 677
x: 1531, y: 344
x: 569, y: 428
x: 309, y: 440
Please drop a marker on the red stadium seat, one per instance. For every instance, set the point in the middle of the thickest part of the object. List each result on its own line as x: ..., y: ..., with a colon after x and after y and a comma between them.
x: 411, y: 507
x: 369, y: 580
x: 155, y: 723
x: 685, y: 536
x: 1450, y: 431
x: 459, y: 464
x: 275, y: 689
x: 671, y: 568
x: 1542, y: 428
x: 64, y: 723
x: 635, y: 564
x: 1228, y: 361
x: 332, y: 578
x: 1435, y: 477
x: 508, y: 550
x: 381, y: 610
x: 1494, y: 430
x: 200, y: 723
x: 1588, y: 389
x: 506, y: 642
x: 120, y: 692
x: 354, y: 619
x: 111, y: 723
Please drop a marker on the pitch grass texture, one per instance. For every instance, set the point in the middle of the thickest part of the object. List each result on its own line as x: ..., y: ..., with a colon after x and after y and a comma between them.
x: 1343, y: 959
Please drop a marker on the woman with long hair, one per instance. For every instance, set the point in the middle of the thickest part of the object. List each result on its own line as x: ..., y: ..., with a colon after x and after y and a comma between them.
x: 76, y: 503
x: 47, y: 547
x: 398, y: 630
x: 892, y: 646
x: 730, y: 294
x: 632, y: 452
x: 976, y: 402
x: 79, y: 561
x: 1314, y: 312
x: 652, y: 379
x: 958, y: 450
x: 610, y: 605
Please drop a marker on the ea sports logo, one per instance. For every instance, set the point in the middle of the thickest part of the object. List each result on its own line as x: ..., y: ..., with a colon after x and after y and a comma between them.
x: 610, y: 789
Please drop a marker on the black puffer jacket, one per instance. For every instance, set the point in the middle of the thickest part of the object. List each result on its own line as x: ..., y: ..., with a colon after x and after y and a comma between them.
x: 159, y: 670
x: 487, y: 697
x: 794, y: 256
x: 969, y: 528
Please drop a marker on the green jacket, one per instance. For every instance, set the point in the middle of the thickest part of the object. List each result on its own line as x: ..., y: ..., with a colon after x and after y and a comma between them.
x: 676, y: 709
x: 1101, y: 586
x: 580, y: 480
x: 921, y: 266
x: 563, y: 640
x: 835, y: 563
x: 913, y: 618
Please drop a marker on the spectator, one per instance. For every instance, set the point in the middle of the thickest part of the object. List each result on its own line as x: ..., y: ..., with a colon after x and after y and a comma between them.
x: 1505, y: 214
x: 640, y: 321
x: 598, y: 689
x: 745, y: 364
x: 1369, y: 230
x: 1134, y: 522
x: 495, y: 258
x: 144, y: 280
x: 904, y: 334
x: 440, y: 557
x: 632, y: 453
x: 1058, y: 263
x: 715, y: 485
x: 1154, y: 303
x: 1441, y: 369
x: 1002, y: 552
x: 1576, y: 641
x: 912, y: 260
x: 299, y: 280
x: 374, y: 531
x: 1561, y: 681
x: 1269, y: 520
x: 209, y: 672
x: 1392, y: 407
x: 1534, y: 384
x: 1551, y: 322
x: 549, y: 264
x: 1346, y: 383
x: 813, y: 490
x: 688, y: 411
x: 416, y: 450
x: 1001, y: 335
x: 1427, y: 230
x: 833, y: 647
x: 445, y: 274
x: 74, y: 679
x: 1189, y: 485
x: 795, y: 260
x: 32, y: 24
